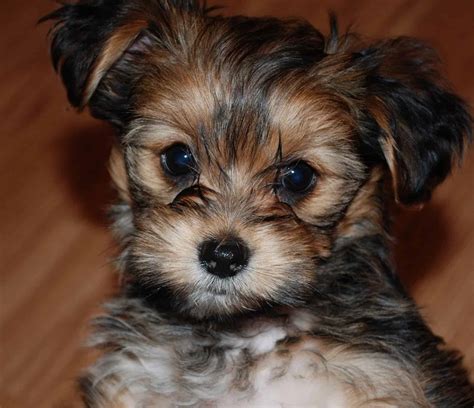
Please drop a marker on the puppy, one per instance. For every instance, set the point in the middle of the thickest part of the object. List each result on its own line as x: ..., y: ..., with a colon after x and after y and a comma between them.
x: 256, y: 160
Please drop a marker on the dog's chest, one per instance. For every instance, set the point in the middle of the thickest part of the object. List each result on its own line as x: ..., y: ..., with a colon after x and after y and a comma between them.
x: 268, y: 364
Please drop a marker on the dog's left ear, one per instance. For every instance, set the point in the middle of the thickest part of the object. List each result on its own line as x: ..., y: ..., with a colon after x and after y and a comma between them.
x: 87, y: 40
x: 423, y: 127
x: 102, y: 48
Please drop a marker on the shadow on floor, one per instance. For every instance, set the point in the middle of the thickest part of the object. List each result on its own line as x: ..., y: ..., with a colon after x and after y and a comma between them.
x: 86, y: 151
x: 419, y: 239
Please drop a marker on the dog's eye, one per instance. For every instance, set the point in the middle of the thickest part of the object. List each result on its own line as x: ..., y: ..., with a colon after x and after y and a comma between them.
x: 178, y: 161
x: 298, y: 178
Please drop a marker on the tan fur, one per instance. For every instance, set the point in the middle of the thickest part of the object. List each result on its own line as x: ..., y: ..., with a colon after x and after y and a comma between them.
x: 114, y: 48
x: 118, y: 174
x: 364, y: 206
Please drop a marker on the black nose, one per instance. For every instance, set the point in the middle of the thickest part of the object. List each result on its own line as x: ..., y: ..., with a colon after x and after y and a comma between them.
x: 224, y: 258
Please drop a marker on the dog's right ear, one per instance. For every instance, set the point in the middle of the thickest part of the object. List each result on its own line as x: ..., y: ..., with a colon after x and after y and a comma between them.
x: 100, y: 48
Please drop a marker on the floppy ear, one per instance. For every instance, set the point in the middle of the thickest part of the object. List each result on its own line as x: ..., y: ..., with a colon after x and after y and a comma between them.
x: 424, y: 127
x: 100, y: 48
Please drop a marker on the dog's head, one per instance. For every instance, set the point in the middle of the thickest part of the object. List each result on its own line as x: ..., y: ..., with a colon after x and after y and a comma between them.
x: 250, y: 147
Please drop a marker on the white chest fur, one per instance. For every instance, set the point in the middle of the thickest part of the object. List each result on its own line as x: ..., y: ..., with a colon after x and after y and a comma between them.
x: 291, y: 376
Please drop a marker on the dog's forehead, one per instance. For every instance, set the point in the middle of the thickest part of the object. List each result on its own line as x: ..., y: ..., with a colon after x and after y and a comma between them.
x: 245, y: 90
x: 205, y: 111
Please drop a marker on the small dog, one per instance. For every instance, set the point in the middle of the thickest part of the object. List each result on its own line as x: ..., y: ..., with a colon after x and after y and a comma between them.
x: 256, y: 161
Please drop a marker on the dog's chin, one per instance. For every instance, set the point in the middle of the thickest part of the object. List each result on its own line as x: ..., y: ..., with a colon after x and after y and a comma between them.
x: 212, y: 303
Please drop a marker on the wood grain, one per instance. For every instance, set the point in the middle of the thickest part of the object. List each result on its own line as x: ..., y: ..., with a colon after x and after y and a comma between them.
x: 55, y: 249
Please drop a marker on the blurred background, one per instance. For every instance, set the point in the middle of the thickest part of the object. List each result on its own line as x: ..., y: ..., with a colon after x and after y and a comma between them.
x: 55, y: 248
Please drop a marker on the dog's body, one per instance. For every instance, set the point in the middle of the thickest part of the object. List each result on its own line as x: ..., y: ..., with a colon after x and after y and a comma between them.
x: 253, y: 167
x: 266, y: 362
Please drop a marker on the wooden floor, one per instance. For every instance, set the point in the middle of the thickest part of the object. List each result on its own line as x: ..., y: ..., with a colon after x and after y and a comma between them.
x: 55, y: 249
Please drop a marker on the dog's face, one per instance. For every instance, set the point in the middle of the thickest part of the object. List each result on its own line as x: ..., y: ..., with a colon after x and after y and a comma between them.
x: 249, y: 148
x: 238, y: 192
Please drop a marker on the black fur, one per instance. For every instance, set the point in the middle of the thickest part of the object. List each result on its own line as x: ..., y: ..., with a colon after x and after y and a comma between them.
x: 427, y: 122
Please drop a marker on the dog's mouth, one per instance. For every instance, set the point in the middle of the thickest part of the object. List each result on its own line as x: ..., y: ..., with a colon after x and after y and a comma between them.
x: 216, y: 286
x: 219, y: 304
x: 218, y: 291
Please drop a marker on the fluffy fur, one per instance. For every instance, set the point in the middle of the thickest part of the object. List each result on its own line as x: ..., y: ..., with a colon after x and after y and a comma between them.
x: 318, y: 318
